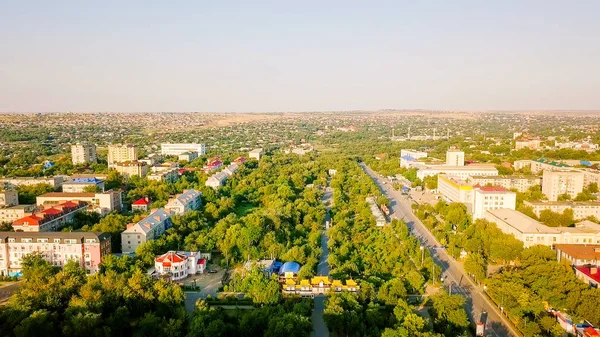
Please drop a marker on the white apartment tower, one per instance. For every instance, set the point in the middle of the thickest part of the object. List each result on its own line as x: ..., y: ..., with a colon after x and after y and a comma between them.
x: 455, y: 158
x: 83, y: 153
x: 120, y: 153
x: 555, y: 183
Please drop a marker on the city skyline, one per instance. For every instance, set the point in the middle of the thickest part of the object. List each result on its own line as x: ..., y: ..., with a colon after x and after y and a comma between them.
x: 236, y: 57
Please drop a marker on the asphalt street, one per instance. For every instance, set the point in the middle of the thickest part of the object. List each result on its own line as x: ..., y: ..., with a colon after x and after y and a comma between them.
x: 453, y: 274
x: 319, y: 327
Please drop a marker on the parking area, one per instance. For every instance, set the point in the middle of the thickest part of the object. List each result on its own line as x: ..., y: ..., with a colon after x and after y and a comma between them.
x: 204, y: 285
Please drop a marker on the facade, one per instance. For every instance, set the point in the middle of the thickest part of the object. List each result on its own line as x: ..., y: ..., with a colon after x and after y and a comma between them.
x: 50, y: 219
x: 490, y: 198
x: 532, y: 232
x: 169, y: 176
x: 9, y: 198
x: 537, y: 166
x: 216, y: 180
x: 179, y: 265
x: 102, y: 203
x: 231, y: 169
x: 132, y: 168
x: 455, y: 158
x: 58, y: 248
x: 453, y: 189
x: 188, y: 156
x: 212, y: 166
x: 177, y: 149
x: 380, y: 220
x: 11, y: 183
x: 78, y: 185
x: 532, y: 144
x: 119, y: 153
x: 463, y: 172
x: 521, y: 184
x: 581, y: 210
x: 409, y: 157
x: 141, y: 205
x: 589, y: 275
x: 83, y: 153
x: 255, y: 154
x: 187, y: 201
x: 578, y: 255
x: 555, y: 183
x: 318, y: 285
x: 149, y: 228
x: 12, y: 213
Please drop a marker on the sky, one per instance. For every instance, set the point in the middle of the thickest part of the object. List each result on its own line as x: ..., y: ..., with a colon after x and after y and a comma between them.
x: 262, y: 56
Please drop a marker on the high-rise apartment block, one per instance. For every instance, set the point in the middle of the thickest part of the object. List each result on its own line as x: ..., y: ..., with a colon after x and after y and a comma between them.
x: 120, y: 153
x: 83, y: 153
x: 555, y: 183
x: 455, y: 158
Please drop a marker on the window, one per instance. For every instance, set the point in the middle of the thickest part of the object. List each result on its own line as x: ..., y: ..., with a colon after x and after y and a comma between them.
x: 42, y: 240
x: 11, y: 240
x: 26, y: 240
x: 56, y: 240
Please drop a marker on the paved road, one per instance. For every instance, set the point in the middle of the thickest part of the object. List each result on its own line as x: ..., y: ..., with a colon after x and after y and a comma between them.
x: 453, y: 273
x: 7, y: 291
x: 319, y: 327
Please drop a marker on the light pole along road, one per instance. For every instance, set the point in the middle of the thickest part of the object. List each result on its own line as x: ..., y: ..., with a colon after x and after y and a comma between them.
x: 454, y: 276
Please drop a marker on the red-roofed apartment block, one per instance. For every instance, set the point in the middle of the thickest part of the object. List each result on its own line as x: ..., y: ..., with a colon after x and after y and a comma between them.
x: 50, y: 219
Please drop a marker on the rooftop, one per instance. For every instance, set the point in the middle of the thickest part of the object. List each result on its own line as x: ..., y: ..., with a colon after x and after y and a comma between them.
x: 580, y: 252
x: 67, y: 195
x: 494, y: 189
x: 84, y: 181
x: 587, y: 271
x: 521, y: 222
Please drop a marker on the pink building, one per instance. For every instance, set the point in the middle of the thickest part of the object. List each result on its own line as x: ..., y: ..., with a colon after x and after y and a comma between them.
x: 50, y: 219
x: 58, y: 248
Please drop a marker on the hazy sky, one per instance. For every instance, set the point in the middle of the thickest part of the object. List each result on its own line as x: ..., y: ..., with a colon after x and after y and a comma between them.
x: 285, y: 55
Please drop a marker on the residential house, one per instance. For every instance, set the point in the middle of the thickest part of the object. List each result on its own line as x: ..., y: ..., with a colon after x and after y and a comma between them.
x: 149, y: 228
x: 187, y: 201
x: 179, y: 265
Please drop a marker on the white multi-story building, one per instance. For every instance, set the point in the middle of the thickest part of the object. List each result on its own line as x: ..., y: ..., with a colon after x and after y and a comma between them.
x: 521, y: 184
x: 555, y: 183
x: 231, y: 169
x: 12, y: 213
x: 255, y: 154
x: 188, y: 156
x: 79, y: 185
x: 216, y: 180
x: 9, y: 198
x: 132, y: 168
x: 455, y: 158
x: 532, y: 232
x: 453, y: 189
x: 83, y: 153
x: 103, y: 203
x: 537, y: 166
x: 581, y: 210
x: 463, y: 172
x: 532, y: 144
x: 177, y: 149
x: 10, y: 183
x: 409, y: 157
x: 490, y: 198
x: 58, y: 248
x: 149, y: 228
x: 380, y: 220
x: 119, y: 153
x: 169, y: 176
x: 187, y: 201
x: 179, y: 265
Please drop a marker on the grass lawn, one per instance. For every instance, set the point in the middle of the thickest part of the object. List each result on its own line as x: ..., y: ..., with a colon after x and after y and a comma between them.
x: 245, y: 209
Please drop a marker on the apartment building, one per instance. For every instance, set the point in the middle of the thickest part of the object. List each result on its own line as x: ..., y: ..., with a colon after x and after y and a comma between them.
x: 455, y: 158
x: 537, y: 166
x: 58, y: 248
x: 532, y: 232
x: 519, y: 183
x: 12, y: 213
x: 80, y: 185
x: 83, y: 153
x: 132, y: 168
x: 102, y: 202
x: 380, y: 220
x: 532, y: 144
x: 255, y: 154
x: 50, y: 219
x: 409, y: 157
x: 12, y: 183
x: 463, y: 172
x: 216, y: 180
x: 490, y: 198
x: 231, y: 169
x: 179, y: 265
x: 454, y: 189
x: 149, y: 228
x: 169, y: 176
x: 187, y: 201
x: 188, y: 156
x: 581, y: 210
x: 119, y: 153
x: 9, y: 198
x: 555, y: 183
x: 177, y: 149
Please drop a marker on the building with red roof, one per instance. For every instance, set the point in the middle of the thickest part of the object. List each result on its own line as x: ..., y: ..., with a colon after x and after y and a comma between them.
x: 50, y: 219
x: 179, y: 265
x: 240, y: 160
x: 142, y: 204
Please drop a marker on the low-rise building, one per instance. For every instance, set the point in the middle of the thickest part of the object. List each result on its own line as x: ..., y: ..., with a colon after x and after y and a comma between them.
x: 162, y: 167
x: 231, y: 169
x: 102, y: 202
x: 187, y: 201
x: 79, y: 185
x: 532, y: 232
x: 169, y: 176
x: 50, y: 219
x: 216, y: 180
x: 581, y: 210
x: 12, y: 213
x: 212, y: 165
x: 132, y: 168
x: 380, y: 219
x: 589, y: 274
x: 519, y: 183
x: 255, y: 154
x: 149, y: 228
x: 177, y: 149
x: 141, y: 205
x: 58, y: 248
x: 556, y: 183
x: 179, y: 265
x: 532, y: 144
x: 12, y: 183
x: 188, y: 156
x: 318, y: 285
x: 578, y: 255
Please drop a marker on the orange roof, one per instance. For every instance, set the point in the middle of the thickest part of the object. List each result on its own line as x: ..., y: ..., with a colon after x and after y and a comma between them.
x: 32, y: 220
x: 52, y: 211
x: 69, y: 204
x: 169, y: 257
